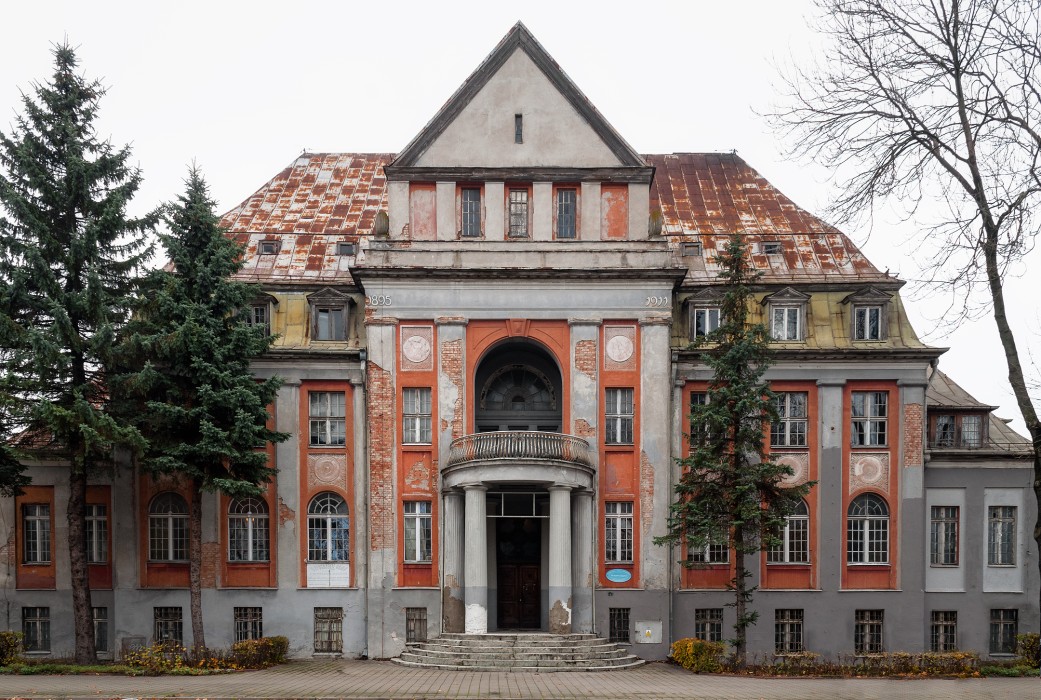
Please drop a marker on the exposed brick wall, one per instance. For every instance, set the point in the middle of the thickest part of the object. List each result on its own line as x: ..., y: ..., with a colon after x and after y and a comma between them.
x: 211, y: 552
x: 583, y: 429
x: 914, y: 431
x: 7, y: 551
x: 382, y: 429
x: 285, y: 513
x: 452, y: 368
x: 646, y: 492
x: 585, y: 358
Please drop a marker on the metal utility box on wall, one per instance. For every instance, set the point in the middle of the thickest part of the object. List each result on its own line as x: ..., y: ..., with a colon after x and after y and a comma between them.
x: 648, y: 632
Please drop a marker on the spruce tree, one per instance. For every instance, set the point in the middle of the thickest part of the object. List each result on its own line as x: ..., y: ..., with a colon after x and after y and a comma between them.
x: 730, y: 490
x: 69, y: 259
x: 186, y: 360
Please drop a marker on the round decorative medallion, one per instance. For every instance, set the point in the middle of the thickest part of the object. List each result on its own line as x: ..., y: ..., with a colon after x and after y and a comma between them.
x: 619, y: 348
x: 869, y: 469
x: 326, y: 469
x: 798, y: 474
x: 416, y: 349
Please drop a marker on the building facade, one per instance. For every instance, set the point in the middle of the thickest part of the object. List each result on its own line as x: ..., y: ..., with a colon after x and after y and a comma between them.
x: 485, y: 346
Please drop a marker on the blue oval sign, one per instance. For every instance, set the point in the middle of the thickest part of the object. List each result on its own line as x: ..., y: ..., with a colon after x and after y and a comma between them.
x: 618, y: 575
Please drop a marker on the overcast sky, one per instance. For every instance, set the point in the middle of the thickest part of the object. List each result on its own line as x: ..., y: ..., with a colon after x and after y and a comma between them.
x: 242, y: 88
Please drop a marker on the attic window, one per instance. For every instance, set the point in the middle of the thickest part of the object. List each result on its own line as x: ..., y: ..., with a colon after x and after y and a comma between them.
x: 692, y: 250
x: 771, y: 248
x: 518, y: 128
x: 268, y: 248
x: 344, y: 248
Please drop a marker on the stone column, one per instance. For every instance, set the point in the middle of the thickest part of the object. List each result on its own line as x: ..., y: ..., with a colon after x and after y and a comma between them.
x: 560, y: 560
x: 452, y: 606
x: 582, y: 563
x: 829, y: 484
x: 475, y: 591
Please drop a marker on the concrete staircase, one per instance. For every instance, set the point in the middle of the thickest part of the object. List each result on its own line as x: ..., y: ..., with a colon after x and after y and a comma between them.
x: 506, y: 652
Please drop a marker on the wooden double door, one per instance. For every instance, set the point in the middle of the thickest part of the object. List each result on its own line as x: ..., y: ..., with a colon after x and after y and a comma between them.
x: 519, y: 581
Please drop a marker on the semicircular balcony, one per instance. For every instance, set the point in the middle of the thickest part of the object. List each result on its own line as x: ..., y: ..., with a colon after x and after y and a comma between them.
x: 519, y: 456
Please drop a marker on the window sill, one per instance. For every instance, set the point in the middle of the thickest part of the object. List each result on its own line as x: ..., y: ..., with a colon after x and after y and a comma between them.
x: 869, y: 566
x: 1001, y: 566
x: 794, y: 565
x: 41, y: 654
x: 944, y: 566
x: 416, y: 446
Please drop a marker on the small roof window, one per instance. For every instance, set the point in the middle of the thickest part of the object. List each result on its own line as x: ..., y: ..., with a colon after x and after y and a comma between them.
x: 772, y: 247
x: 690, y: 250
x: 345, y: 248
x: 268, y: 247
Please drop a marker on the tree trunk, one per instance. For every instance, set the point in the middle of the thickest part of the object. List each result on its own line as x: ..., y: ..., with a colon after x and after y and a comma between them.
x: 82, y: 611
x: 195, y: 566
x: 740, y: 599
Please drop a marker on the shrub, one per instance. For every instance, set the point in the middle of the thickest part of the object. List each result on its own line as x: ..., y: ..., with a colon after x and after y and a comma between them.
x: 10, y: 647
x: 697, y: 655
x: 260, y: 653
x: 902, y: 663
x: 1028, y: 646
x: 157, y: 659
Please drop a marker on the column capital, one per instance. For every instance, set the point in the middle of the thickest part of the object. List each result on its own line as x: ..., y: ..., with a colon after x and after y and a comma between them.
x: 559, y: 487
x: 475, y: 487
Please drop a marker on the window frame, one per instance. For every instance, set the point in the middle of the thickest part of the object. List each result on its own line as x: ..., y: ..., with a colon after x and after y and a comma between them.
x: 100, y: 618
x: 790, y: 312
x: 331, y: 302
x: 164, y: 621
x: 255, y: 524
x: 943, y: 630
x: 325, y: 422
x: 789, y: 631
x: 36, y: 629
x: 328, y: 622
x: 336, y: 540
x: 248, y: 622
x: 706, y: 330
x: 798, y: 523
x: 784, y: 427
x: 867, y: 526
x: 944, y: 526
x: 862, y: 329
x: 417, y: 532
x: 619, y: 415
x: 559, y: 215
x: 870, y: 421
x: 172, y: 528
x: 515, y: 209
x: 618, y: 532
x: 1004, y: 525
x: 37, y: 531
x: 1004, y: 626
x: 468, y: 217
x: 947, y: 430
x: 715, y: 552
x: 417, y: 416
x: 96, y: 531
x: 708, y: 620
x: 869, y: 632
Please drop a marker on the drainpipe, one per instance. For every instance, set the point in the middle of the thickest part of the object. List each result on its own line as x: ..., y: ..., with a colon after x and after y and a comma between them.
x: 363, y: 356
x: 672, y: 489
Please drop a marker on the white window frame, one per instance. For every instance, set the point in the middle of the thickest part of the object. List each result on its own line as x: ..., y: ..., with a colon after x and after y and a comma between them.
x: 327, y: 418
x: 866, y: 527
x: 418, y: 532
x: 36, y: 533
x: 794, y: 547
x: 471, y: 213
x: 869, y: 426
x: 862, y: 318
x: 416, y: 416
x: 704, y: 320
x: 944, y: 526
x: 168, y: 528
x: 791, y: 428
x: 1001, y: 535
x: 619, y: 411
x: 715, y: 551
x: 96, y: 526
x: 518, y: 212
x: 328, y: 528
x: 618, y: 532
x: 782, y: 317
x: 249, y: 533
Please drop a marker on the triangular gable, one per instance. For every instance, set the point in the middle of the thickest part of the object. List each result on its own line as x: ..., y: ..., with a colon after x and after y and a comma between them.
x: 512, y: 69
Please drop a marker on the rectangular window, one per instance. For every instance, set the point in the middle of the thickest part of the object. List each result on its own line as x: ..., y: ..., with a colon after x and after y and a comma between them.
x: 943, y: 536
x: 415, y: 625
x: 771, y: 248
x: 328, y: 630
x: 345, y: 248
x: 470, y: 212
x: 567, y: 213
x: 1001, y: 536
x: 971, y: 431
x: 97, y: 533
x: 943, y: 631
x: 249, y: 623
x: 708, y: 624
x: 1004, y: 626
x: 618, y: 532
x: 167, y: 625
x: 790, y: 428
x: 100, y: 629
x: 418, y: 529
x: 788, y: 636
x: 268, y: 247
x: 794, y: 547
x: 328, y: 418
x: 699, y: 432
x: 36, y: 629
x: 416, y: 417
x: 870, y: 412
x: 867, y: 633
x: 704, y: 320
x: 943, y: 431
x: 258, y: 316
x: 618, y: 627
x: 36, y: 533
x: 518, y: 128
x: 619, y: 417
x: 329, y: 323
x: 518, y: 212
x: 784, y: 324
x: 867, y: 323
x: 717, y: 551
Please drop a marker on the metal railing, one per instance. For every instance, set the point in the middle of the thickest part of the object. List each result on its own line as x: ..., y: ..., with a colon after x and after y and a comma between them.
x: 521, y: 445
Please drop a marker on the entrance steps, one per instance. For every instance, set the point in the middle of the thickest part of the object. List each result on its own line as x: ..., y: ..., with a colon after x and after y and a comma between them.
x: 506, y: 652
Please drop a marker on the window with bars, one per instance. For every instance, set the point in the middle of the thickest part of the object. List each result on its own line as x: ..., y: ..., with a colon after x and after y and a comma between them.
x: 867, y: 632
x: 415, y: 419
x: 699, y: 432
x: 328, y: 528
x: 1001, y: 535
x: 168, y: 528
x: 101, y: 642
x: 567, y: 213
x: 415, y: 625
x: 618, y: 532
x: 788, y: 631
x: 328, y: 418
x: 518, y: 213
x: 470, y: 212
x: 943, y: 630
x: 248, y: 530
x: 870, y: 411
x: 618, y: 625
x: 786, y: 322
x: 167, y: 625
x: 418, y: 529
x: 249, y: 623
x: 1004, y: 626
x: 97, y: 533
x: 619, y: 417
x: 943, y: 535
x: 708, y: 624
x: 328, y: 630
x: 703, y: 320
x: 867, y: 537
x: 790, y: 428
x: 36, y: 629
x: 36, y: 533
x: 867, y: 323
x: 715, y: 551
x: 794, y: 547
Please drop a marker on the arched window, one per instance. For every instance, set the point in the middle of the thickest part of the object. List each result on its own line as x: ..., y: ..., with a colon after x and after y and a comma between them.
x: 248, y: 538
x: 794, y: 547
x: 867, y: 537
x: 328, y: 529
x: 168, y: 528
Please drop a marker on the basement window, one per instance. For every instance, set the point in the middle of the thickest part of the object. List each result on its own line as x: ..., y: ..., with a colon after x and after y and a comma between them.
x: 618, y: 619
x: 268, y: 247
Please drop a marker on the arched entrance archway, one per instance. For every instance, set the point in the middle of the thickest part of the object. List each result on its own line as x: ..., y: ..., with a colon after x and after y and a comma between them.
x: 518, y: 387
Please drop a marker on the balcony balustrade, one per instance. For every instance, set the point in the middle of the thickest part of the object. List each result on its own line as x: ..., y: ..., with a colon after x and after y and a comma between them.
x: 526, y: 446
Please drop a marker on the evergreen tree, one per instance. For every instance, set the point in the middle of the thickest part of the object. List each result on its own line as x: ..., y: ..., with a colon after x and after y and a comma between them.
x: 731, y: 491
x: 69, y: 257
x: 186, y: 367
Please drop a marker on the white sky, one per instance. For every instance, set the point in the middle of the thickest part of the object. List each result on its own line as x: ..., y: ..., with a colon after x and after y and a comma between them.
x: 242, y: 88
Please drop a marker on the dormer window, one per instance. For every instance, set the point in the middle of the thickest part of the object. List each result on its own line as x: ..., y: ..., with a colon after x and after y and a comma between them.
x: 956, y: 431
x: 329, y: 314
x: 345, y: 248
x: 771, y: 248
x: 870, y: 316
x: 867, y: 323
x: 704, y: 313
x: 268, y: 247
x: 690, y: 250
x: 260, y: 312
x: 787, y: 314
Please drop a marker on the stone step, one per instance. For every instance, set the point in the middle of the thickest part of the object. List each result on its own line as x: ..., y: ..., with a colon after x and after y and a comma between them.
x: 507, y: 652
x: 509, y: 661
x: 594, y: 645
x: 521, y: 669
x: 557, y: 642
x: 516, y: 654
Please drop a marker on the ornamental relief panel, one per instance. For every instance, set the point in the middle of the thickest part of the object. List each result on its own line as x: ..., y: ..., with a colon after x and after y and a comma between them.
x: 327, y: 470
x: 799, y: 463
x: 417, y: 343
x: 869, y: 469
x: 620, y: 347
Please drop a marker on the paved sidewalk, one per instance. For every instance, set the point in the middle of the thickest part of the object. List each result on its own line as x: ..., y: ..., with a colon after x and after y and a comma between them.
x: 382, y: 679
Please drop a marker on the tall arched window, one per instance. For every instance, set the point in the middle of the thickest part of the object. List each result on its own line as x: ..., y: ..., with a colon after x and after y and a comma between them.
x: 794, y: 547
x: 867, y: 536
x: 328, y: 528
x: 248, y: 538
x: 168, y: 528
